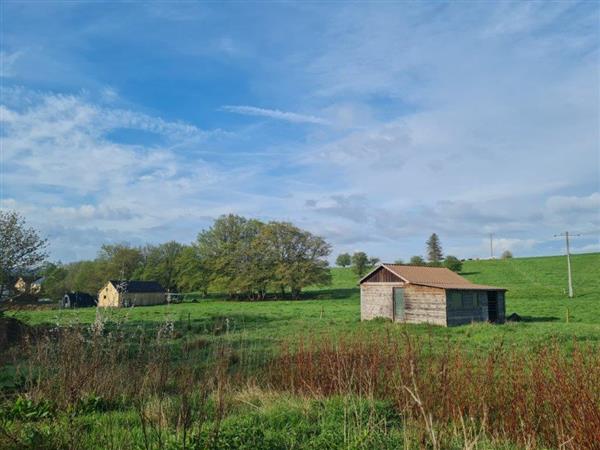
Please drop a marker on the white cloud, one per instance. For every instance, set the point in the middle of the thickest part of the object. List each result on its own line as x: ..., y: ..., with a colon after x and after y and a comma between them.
x: 457, y: 120
x: 561, y: 204
x: 62, y: 169
x: 274, y: 114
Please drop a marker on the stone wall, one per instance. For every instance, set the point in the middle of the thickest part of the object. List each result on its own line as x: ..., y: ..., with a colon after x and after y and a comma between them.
x: 376, y: 300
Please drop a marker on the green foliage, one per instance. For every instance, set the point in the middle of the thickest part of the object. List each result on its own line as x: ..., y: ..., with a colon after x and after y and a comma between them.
x: 399, y: 261
x: 121, y: 261
x: 360, y: 263
x: 228, y: 249
x: 343, y: 260
x: 417, y: 261
x: 247, y: 257
x: 373, y: 261
x: 161, y: 263
x: 453, y: 263
x: 292, y: 258
x: 86, y: 276
x: 55, y: 280
x: 506, y: 254
x: 238, y: 256
x: 22, y: 250
x: 23, y: 408
x: 192, y: 271
x: 434, y: 250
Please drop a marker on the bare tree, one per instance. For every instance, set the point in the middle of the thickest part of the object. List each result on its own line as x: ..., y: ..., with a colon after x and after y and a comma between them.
x: 21, y: 248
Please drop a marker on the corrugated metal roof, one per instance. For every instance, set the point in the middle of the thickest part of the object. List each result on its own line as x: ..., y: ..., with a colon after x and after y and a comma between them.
x: 439, y: 277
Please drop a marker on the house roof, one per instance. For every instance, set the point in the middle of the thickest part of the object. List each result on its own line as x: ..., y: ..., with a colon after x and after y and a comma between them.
x: 135, y: 286
x: 439, y: 277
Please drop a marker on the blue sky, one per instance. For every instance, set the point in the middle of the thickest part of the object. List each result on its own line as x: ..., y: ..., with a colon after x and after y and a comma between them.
x: 371, y: 124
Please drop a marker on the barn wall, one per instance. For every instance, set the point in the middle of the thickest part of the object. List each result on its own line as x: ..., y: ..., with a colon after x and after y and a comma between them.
x: 466, y: 306
x: 143, y: 298
x: 376, y: 300
x: 108, y: 297
x: 423, y: 304
x: 501, y: 307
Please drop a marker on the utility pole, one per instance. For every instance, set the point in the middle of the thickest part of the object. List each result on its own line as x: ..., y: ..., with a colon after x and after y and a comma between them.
x: 566, y: 235
x: 491, y: 245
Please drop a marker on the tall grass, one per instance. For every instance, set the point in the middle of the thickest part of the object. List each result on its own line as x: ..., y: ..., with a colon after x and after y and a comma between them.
x: 549, y: 398
x: 191, y: 396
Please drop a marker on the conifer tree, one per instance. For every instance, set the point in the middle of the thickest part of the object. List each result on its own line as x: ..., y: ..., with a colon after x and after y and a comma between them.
x: 434, y: 250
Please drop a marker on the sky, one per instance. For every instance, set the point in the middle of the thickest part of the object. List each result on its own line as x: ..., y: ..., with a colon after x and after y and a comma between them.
x: 370, y: 124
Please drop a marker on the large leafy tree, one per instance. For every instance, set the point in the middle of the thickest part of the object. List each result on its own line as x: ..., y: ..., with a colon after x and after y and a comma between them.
x: 229, y: 252
x: 22, y: 249
x: 192, y: 273
x: 360, y: 263
x: 86, y: 276
x: 292, y: 258
x: 161, y: 263
x: 120, y: 261
x: 434, y: 250
x: 343, y: 260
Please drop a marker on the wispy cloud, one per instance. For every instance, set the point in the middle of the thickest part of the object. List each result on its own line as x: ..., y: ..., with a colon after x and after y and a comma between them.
x: 274, y: 114
x: 458, y: 120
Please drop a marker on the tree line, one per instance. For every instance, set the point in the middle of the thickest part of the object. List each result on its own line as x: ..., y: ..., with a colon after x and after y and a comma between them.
x: 244, y: 258
x: 361, y: 263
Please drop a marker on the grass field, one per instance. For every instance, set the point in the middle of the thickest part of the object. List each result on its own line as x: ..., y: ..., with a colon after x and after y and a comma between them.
x: 537, y: 292
x: 309, y: 374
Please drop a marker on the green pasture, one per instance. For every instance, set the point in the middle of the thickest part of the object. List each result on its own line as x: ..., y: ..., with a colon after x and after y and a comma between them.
x: 536, y: 292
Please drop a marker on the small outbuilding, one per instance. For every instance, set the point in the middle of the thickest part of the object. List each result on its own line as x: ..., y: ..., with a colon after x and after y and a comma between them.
x: 77, y: 300
x: 120, y: 293
x: 417, y: 294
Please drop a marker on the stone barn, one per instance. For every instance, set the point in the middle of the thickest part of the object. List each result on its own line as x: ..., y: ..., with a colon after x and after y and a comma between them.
x: 417, y: 294
x: 120, y: 294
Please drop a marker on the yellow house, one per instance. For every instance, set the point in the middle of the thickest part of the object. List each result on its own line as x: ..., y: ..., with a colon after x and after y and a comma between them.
x: 119, y: 294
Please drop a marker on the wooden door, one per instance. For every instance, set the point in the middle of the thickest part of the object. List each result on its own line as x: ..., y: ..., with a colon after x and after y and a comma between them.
x: 398, y: 304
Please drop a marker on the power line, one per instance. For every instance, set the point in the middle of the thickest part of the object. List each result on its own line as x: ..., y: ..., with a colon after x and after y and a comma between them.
x: 570, y: 278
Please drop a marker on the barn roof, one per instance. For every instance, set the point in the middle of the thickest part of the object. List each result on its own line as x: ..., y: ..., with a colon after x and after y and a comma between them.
x: 439, y: 277
x: 135, y: 286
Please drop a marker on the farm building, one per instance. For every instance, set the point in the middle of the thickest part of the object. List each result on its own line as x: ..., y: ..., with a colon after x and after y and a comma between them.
x: 119, y: 294
x: 77, y: 300
x: 416, y: 294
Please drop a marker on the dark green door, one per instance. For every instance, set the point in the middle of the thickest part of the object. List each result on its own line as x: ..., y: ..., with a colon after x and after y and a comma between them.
x: 398, y: 304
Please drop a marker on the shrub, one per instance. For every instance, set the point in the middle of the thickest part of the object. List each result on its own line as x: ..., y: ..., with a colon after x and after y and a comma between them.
x: 453, y: 263
x: 417, y: 261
